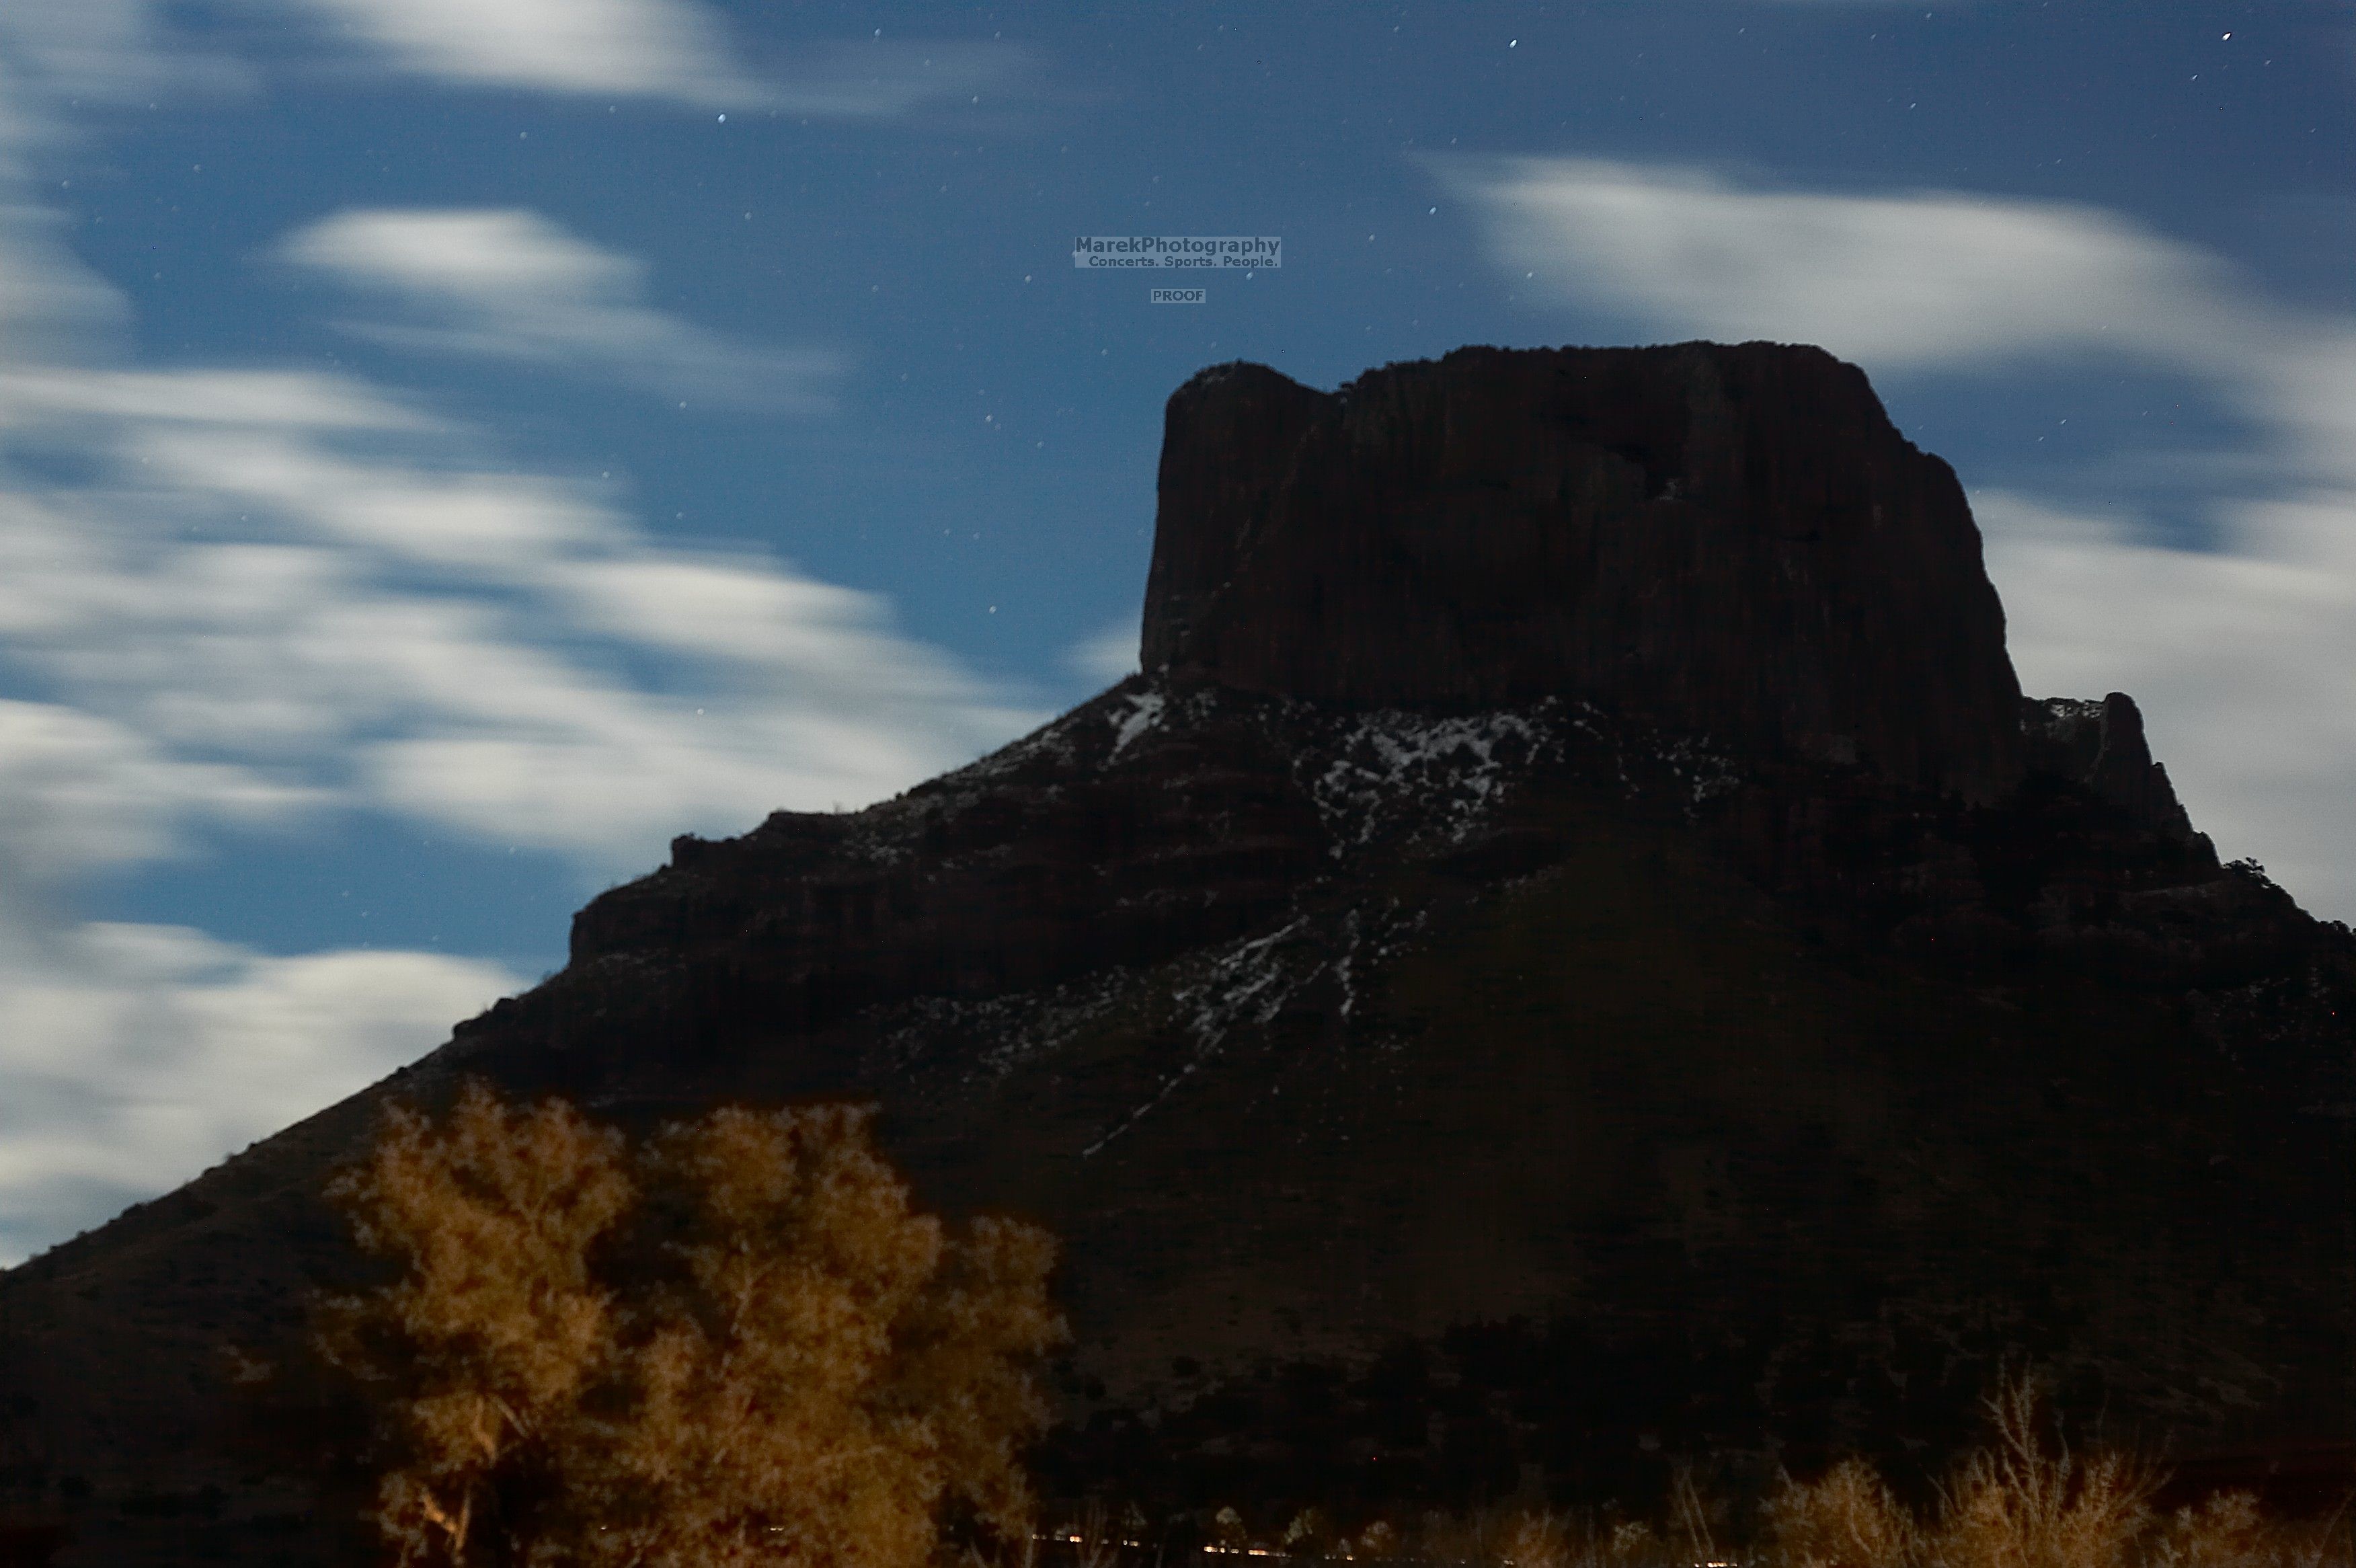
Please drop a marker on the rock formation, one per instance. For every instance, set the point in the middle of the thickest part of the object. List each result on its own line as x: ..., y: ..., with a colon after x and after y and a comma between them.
x: 2101, y: 745
x: 1729, y: 541
x: 1574, y: 954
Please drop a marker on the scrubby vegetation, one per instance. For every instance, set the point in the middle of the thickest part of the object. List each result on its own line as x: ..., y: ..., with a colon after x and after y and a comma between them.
x: 2017, y: 1502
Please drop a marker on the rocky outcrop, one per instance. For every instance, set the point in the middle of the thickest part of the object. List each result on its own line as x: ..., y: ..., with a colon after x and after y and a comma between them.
x: 1734, y: 541
x: 2101, y: 745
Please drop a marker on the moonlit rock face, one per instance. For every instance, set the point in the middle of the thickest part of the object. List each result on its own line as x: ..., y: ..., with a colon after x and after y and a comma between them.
x: 1733, y: 540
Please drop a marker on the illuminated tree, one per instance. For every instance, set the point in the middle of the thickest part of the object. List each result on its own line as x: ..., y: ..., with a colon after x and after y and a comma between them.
x: 740, y: 1347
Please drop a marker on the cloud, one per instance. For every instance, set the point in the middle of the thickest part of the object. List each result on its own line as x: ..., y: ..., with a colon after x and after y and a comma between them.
x: 294, y: 400
x: 661, y: 48
x: 510, y: 285
x: 2305, y: 387
x: 1892, y: 282
x: 266, y: 608
x: 255, y: 598
x: 138, y: 1056
x: 2237, y: 655
x: 888, y: 79
x: 117, y: 51
x: 2238, y: 658
x: 264, y: 595
x: 84, y: 793
x: 1108, y: 655
x: 92, y: 53
x: 408, y: 634
x: 251, y: 597
x: 50, y: 303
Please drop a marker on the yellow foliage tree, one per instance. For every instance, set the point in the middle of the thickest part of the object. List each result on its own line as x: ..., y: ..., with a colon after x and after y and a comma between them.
x: 746, y: 1349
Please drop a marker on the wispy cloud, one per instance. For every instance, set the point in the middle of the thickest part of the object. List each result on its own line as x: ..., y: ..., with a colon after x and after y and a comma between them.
x: 1920, y: 278
x: 667, y: 50
x: 663, y: 49
x: 242, y: 597
x: 2236, y: 654
x: 412, y: 634
x: 674, y: 51
x: 138, y: 1056
x: 510, y: 285
x: 95, y: 53
x: 1108, y: 655
x: 889, y: 79
x: 85, y: 793
x: 241, y: 621
x: 50, y: 304
x: 2239, y: 659
x: 253, y: 597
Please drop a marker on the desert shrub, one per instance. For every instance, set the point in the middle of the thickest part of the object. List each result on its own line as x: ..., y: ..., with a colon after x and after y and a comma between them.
x: 1692, y: 1520
x: 1538, y: 1540
x: 1846, y: 1520
x: 2223, y: 1531
x: 2012, y: 1505
x: 1633, y: 1541
x: 1478, y: 1536
x: 737, y: 1344
x: 1309, y: 1534
x: 2227, y: 1531
x: 2016, y: 1506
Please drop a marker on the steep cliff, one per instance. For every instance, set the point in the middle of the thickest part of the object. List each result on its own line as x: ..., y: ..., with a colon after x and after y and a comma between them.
x: 1729, y: 540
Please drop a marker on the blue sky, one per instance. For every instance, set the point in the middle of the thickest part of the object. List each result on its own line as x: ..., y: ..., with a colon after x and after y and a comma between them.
x: 447, y: 447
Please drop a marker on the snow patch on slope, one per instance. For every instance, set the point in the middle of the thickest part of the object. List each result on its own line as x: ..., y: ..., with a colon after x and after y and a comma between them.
x: 1143, y: 711
x: 1451, y: 771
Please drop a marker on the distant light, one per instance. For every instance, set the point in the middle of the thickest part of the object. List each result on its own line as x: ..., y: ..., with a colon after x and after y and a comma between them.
x: 724, y: 119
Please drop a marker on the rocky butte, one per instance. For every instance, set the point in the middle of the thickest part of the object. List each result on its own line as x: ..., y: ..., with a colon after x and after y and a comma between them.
x: 1573, y: 955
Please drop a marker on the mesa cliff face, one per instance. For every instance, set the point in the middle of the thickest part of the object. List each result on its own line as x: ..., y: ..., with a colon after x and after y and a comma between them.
x: 1520, y: 988
x: 1734, y: 541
